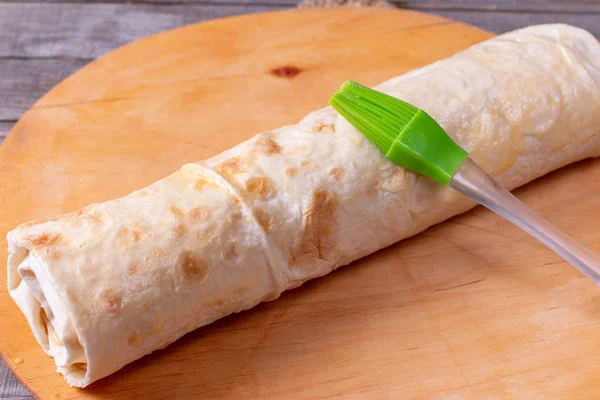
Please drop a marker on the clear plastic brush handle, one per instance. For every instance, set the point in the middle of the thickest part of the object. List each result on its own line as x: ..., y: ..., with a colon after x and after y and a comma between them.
x: 475, y: 183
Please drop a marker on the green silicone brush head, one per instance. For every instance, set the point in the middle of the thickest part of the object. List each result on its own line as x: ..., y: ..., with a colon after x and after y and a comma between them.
x: 406, y: 135
x: 376, y: 115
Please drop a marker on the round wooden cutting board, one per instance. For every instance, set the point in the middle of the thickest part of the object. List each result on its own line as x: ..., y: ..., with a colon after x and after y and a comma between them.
x: 472, y: 308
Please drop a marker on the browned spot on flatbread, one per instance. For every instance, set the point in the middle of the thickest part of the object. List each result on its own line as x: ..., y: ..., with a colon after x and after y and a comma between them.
x: 236, y: 210
x: 176, y: 211
x: 394, y: 182
x: 291, y: 172
x: 267, y: 145
x: 201, y: 236
x: 192, y: 267
x: 236, y: 216
x: 206, y: 233
x: 135, y: 340
x: 74, y: 297
x: 321, y: 127
x: 286, y: 71
x: 211, y: 228
x: 160, y: 252
x: 231, y: 251
x: 231, y: 167
x: 260, y: 186
x: 263, y: 218
x: 179, y: 230
x: 110, y: 301
x: 130, y: 234
x: 199, y: 214
x: 86, y: 269
x: 133, y: 267
x: 306, y: 163
x: 294, y: 150
x: 200, y: 184
x: 89, y: 214
x: 45, y: 239
x: 337, y: 173
x: 373, y: 190
x: 318, y: 241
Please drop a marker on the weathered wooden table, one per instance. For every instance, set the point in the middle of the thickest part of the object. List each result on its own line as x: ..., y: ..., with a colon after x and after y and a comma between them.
x: 42, y: 42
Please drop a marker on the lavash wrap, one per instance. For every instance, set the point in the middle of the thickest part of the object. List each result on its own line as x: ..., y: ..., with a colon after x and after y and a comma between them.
x: 103, y: 286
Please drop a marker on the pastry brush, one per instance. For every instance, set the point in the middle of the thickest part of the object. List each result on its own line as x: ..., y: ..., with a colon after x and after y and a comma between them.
x: 412, y: 139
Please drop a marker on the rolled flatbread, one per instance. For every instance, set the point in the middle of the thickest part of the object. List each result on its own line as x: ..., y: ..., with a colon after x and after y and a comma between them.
x: 105, y: 285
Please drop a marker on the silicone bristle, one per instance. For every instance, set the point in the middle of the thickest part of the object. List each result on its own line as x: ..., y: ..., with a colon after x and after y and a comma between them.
x: 378, y: 116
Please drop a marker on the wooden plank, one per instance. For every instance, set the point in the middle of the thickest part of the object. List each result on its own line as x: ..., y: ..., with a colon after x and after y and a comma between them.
x: 507, y: 21
x: 545, y: 6
x: 88, y: 31
x: 489, y: 5
x: 22, y: 82
x: 169, y: 2
x: 81, y: 30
